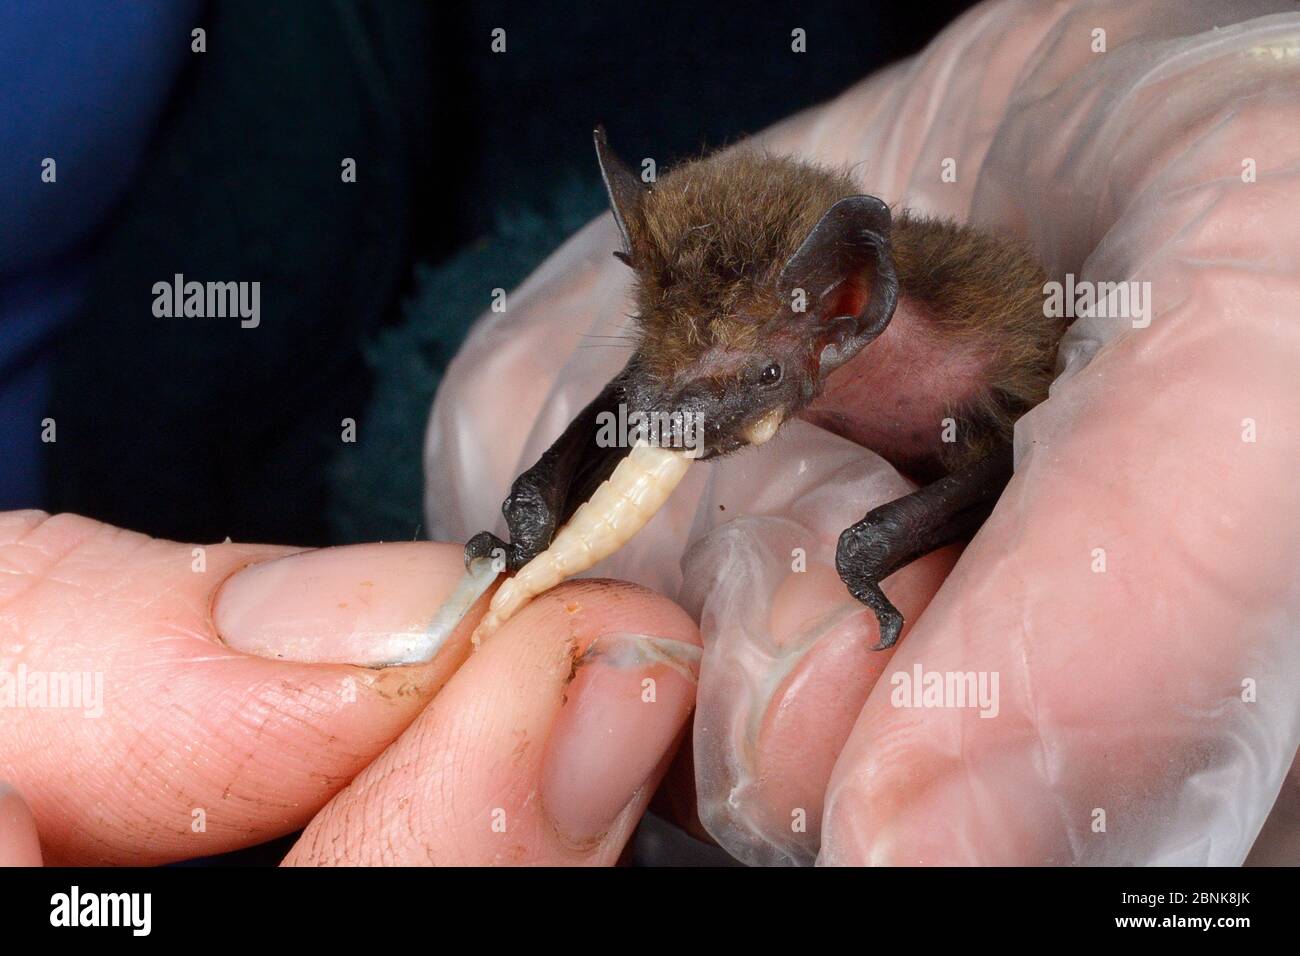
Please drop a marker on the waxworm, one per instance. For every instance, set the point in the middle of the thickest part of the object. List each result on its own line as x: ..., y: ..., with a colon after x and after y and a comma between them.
x: 617, y: 510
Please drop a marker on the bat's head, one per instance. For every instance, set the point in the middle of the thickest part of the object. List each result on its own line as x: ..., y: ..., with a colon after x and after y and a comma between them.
x: 756, y: 277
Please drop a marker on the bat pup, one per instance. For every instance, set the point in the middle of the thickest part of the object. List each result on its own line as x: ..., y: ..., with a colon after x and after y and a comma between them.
x: 767, y: 287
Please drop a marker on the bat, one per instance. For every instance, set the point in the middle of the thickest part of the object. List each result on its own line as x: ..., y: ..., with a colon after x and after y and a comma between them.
x: 758, y: 279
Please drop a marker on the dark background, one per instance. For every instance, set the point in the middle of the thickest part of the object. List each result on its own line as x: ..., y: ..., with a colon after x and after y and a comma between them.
x: 471, y: 163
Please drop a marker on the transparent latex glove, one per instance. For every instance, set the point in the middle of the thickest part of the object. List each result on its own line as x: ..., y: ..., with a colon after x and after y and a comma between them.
x: 1127, y: 619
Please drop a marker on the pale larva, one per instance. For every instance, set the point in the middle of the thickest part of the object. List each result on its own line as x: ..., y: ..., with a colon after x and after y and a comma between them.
x: 619, y: 508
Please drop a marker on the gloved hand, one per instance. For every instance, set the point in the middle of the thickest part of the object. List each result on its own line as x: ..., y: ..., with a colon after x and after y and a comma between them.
x: 1116, y: 655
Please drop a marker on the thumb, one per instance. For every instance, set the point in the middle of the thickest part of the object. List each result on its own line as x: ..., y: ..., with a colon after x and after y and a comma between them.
x: 208, y: 697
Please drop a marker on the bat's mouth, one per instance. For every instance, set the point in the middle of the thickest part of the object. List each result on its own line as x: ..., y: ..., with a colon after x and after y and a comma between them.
x: 761, y: 431
x: 756, y: 432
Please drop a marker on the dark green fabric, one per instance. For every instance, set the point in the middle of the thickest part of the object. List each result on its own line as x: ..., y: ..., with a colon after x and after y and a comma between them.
x: 379, y: 482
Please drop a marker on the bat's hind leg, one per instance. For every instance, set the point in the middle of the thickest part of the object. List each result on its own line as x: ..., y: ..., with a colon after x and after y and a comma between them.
x: 897, y: 533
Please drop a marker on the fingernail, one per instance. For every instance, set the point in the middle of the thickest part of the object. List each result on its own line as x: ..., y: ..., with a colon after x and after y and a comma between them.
x: 375, y: 605
x: 629, y: 698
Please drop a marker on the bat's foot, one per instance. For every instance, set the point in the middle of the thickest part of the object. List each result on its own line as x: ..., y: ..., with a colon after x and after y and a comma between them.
x: 896, y: 534
x: 487, y: 545
x: 531, y: 519
x: 863, y: 559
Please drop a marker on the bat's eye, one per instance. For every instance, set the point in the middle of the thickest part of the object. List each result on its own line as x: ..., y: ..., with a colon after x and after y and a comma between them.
x: 770, y: 375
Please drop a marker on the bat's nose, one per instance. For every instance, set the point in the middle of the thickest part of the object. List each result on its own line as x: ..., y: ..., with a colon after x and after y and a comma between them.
x: 697, y: 409
x: 699, y: 397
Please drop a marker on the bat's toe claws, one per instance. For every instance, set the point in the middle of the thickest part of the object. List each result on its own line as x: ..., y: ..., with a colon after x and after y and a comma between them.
x: 888, y: 617
x: 891, y: 625
x: 862, y: 560
x: 487, y: 545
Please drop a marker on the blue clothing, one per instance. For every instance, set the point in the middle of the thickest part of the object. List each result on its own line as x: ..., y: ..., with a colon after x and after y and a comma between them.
x: 83, y: 83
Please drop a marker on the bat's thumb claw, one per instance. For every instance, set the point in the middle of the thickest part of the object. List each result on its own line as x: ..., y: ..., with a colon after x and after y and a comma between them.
x: 486, y: 545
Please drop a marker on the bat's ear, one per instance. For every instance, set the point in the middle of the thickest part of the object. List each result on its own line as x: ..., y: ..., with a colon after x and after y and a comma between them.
x: 846, y: 271
x: 625, y: 188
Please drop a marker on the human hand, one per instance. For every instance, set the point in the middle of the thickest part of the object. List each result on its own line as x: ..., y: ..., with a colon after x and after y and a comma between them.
x: 216, y: 697
x: 1132, y: 592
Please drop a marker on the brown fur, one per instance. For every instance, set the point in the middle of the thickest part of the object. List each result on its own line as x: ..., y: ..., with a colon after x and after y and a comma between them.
x: 710, y: 238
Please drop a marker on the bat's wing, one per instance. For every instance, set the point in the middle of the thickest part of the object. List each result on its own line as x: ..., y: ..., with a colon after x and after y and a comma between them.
x: 546, y: 495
